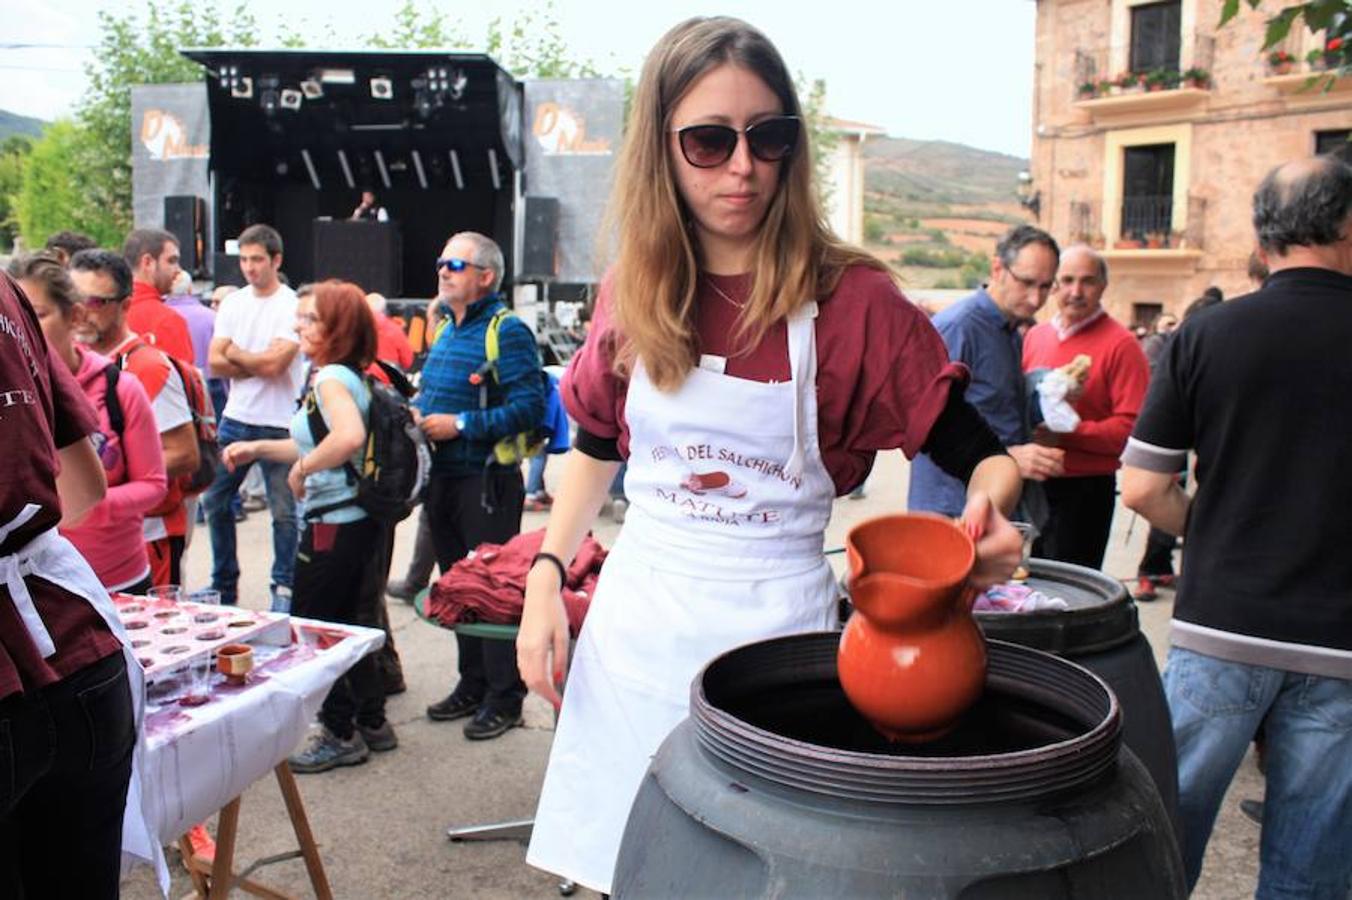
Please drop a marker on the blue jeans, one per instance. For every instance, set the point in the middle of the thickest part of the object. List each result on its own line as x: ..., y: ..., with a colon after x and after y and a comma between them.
x: 221, y: 520
x: 1216, y: 707
x: 535, y: 475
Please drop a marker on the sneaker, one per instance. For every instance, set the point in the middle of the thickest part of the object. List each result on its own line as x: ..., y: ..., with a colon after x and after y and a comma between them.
x: 490, y: 723
x: 541, y: 503
x: 402, y: 590
x: 254, y: 503
x: 618, y: 507
x: 456, y: 706
x: 325, y: 750
x: 1253, y: 810
x: 1145, y: 590
x: 381, y: 739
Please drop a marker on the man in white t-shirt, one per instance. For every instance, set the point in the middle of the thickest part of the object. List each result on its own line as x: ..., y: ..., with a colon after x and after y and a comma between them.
x: 255, y: 346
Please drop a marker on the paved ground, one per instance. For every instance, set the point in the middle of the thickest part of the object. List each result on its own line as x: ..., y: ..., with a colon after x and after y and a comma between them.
x: 382, y: 825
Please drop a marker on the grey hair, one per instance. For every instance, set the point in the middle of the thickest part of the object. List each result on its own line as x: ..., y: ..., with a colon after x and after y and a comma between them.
x: 1094, y: 255
x: 487, y: 254
x: 377, y: 303
x: 1306, y: 203
x: 1020, y: 236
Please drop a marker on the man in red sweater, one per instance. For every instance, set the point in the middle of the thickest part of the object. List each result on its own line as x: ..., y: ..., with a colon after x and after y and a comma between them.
x: 153, y: 257
x: 1081, y: 502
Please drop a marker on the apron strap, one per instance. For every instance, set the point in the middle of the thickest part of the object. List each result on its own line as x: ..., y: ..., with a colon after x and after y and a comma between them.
x: 12, y: 570
x: 802, y: 368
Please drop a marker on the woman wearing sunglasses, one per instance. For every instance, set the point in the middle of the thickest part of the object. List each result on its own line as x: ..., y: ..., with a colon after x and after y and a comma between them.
x: 747, y: 364
x: 128, y: 440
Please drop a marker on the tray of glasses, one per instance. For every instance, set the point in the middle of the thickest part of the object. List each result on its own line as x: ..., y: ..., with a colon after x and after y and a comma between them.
x: 164, y: 636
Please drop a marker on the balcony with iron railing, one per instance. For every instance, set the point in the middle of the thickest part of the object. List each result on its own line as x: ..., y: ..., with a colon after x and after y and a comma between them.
x: 1110, y: 96
x: 1150, y: 234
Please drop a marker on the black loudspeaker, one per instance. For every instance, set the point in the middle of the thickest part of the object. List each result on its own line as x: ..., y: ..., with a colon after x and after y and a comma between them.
x: 225, y: 269
x: 539, y: 258
x: 185, y: 217
x: 369, y: 254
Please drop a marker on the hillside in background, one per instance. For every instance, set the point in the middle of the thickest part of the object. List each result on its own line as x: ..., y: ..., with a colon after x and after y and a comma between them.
x: 935, y: 209
x: 13, y: 123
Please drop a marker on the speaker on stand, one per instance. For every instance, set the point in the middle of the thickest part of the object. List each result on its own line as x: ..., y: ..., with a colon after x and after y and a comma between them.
x: 185, y: 217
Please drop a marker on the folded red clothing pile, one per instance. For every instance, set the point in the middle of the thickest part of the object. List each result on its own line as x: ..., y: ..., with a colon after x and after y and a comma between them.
x: 489, y: 585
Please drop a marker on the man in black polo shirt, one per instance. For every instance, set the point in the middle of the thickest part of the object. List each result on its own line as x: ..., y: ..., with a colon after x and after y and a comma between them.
x: 1261, y: 388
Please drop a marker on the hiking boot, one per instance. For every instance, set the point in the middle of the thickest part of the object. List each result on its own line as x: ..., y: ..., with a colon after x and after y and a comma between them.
x: 381, y: 739
x: 402, y: 590
x: 490, y: 723
x: 1145, y: 590
x: 325, y: 750
x: 456, y: 706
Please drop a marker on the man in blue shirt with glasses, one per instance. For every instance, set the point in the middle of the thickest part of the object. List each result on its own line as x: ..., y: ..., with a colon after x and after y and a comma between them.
x: 982, y: 332
x: 470, y: 498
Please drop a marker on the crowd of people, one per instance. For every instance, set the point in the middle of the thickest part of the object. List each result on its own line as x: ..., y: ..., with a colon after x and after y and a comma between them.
x: 731, y: 326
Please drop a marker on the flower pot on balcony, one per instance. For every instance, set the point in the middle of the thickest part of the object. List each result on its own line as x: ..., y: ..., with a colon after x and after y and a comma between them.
x: 1154, y: 242
x: 1283, y: 68
x: 1127, y: 244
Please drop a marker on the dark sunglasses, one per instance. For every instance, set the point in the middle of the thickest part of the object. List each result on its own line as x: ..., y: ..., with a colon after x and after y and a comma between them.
x: 93, y: 301
x: 708, y: 146
x: 455, y: 264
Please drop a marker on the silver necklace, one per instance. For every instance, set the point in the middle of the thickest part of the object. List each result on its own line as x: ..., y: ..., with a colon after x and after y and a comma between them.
x: 722, y: 293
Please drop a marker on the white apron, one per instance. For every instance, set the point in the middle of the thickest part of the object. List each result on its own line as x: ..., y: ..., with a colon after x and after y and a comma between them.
x: 51, y: 557
x: 722, y: 545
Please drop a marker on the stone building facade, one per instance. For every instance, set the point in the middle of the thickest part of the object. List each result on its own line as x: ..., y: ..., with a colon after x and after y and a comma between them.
x: 1153, y: 126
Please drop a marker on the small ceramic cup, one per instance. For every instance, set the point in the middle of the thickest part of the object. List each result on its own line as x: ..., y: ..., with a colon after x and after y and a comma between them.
x: 235, y: 662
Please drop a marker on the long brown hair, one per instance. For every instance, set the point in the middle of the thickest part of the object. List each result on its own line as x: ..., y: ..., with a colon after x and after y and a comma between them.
x: 653, y: 283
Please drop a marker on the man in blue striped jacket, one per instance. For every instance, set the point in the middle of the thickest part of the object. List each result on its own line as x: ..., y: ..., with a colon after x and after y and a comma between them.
x: 471, y: 500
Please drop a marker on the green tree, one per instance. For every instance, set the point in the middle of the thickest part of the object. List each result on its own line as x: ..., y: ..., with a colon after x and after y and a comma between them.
x: 58, y: 189
x: 1334, y: 17
x: 13, y: 153
x: 417, y: 27
x: 532, y: 46
x: 821, y: 136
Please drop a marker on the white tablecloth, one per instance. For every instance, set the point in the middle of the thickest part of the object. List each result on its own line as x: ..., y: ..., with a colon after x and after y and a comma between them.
x: 200, y: 758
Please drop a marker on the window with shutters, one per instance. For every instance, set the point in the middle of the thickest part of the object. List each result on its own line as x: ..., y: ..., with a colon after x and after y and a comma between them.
x: 1156, y: 30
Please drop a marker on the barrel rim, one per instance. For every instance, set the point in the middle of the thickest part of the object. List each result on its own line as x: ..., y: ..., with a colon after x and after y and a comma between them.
x: 875, y: 777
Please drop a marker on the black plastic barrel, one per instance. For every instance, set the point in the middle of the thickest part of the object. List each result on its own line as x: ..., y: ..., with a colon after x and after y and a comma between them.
x: 1101, y: 631
x: 775, y: 787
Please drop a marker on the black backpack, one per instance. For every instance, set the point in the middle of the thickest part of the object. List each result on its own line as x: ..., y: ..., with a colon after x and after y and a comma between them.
x: 396, y: 460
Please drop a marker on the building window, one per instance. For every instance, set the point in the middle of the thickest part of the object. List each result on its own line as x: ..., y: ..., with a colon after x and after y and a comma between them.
x: 1147, y: 191
x: 1155, y: 36
x: 1336, y: 143
x: 1143, y: 316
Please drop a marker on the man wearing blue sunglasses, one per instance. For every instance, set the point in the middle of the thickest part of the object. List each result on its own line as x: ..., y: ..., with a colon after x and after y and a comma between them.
x: 469, y: 501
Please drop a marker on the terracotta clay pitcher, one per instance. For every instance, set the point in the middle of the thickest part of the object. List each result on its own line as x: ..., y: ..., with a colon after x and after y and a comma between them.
x: 911, y: 659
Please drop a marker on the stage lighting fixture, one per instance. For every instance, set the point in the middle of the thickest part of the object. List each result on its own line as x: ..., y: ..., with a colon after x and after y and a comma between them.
x: 423, y: 104
x: 347, y: 170
x: 268, y: 100
x: 242, y: 87
x: 455, y: 170
x: 312, y: 89
x: 384, y: 172
x: 458, y: 84
x: 291, y: 99
x: 337, y: 76
x: 310, y: 167
x: 493, y: 166
x: 418, y: 168
x: 382, y: 89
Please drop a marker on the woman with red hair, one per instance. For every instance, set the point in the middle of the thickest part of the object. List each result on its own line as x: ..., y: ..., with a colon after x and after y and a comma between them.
x: 341, y: 562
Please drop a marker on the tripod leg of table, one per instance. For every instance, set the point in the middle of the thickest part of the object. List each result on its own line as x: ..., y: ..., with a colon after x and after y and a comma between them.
x: 309, y: 851
x: 222, y: 867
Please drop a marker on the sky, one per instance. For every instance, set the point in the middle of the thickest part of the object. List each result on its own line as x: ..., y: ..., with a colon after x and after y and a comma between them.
x: 937, y: 71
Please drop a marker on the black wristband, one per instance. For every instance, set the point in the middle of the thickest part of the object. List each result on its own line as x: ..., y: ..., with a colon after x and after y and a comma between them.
x: 558, y: 564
